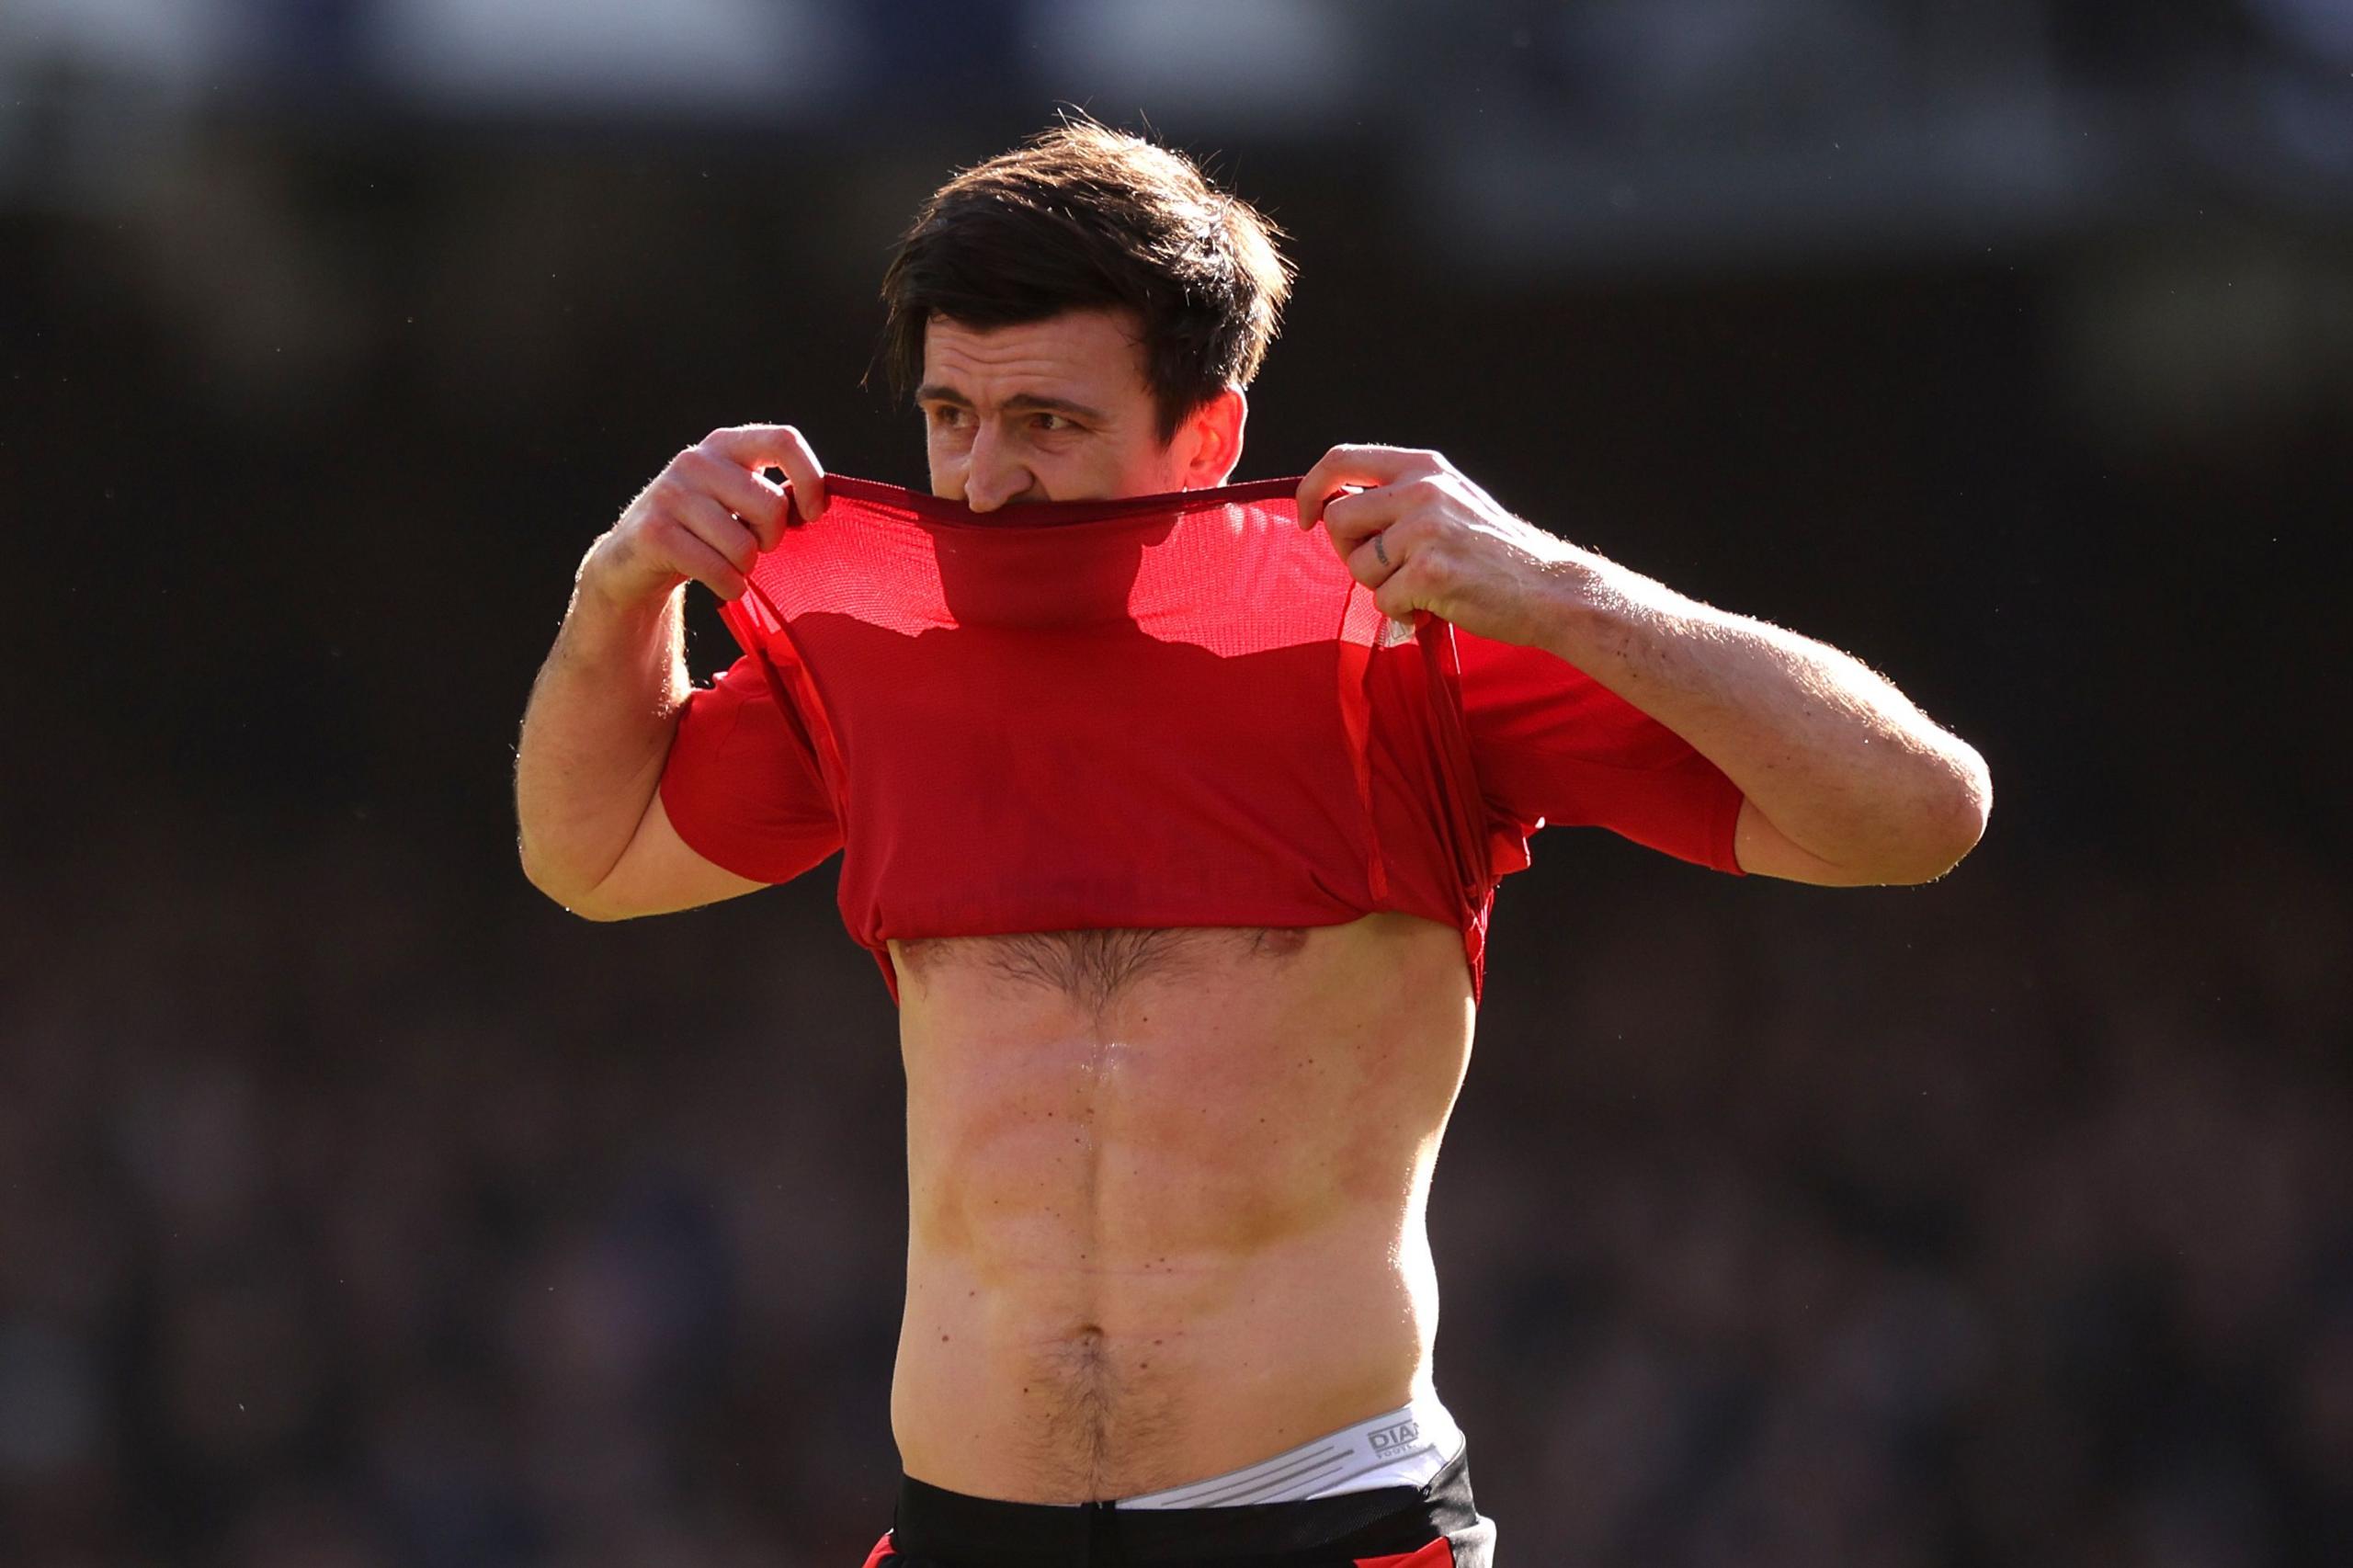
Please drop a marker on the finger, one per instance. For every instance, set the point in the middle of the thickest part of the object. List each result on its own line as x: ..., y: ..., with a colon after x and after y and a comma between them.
x: 1395, y: 598
x: 1356, y: 516
x: 755, y: 447
x: 754, y: 497
x: 1358, y: 465
x: 1378, y: 557
x: 709, y: 522
x: 698, y: 560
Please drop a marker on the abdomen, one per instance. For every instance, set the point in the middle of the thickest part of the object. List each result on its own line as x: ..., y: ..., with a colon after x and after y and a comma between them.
x: 1157, y: 1224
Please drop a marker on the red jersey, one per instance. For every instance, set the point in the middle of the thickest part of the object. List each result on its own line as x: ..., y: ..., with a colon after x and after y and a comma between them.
x: 1169, y: 711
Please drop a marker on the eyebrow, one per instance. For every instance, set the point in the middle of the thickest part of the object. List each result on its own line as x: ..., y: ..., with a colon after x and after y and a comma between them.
x: 1023, y: 403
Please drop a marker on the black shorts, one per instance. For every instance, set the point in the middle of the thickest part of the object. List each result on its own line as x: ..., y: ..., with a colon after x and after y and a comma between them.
x: 1433, y: 1525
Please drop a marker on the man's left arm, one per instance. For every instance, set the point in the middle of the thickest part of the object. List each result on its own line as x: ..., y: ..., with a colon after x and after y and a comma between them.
x: 1845, y: 782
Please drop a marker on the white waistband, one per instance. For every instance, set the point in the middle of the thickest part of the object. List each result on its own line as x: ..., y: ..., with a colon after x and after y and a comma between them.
x: 1401, y: 1448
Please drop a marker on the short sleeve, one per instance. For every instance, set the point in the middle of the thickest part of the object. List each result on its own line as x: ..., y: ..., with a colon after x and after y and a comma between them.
x: 1553, y: 745
x: 741, y: 787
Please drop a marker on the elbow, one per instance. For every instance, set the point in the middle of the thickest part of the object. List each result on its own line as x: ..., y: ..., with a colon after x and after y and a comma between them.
x: 586, y: 908
x: 574, y: 895
x: 1915, y: 833
x: 1970, y: 803
x: 1953, y: 816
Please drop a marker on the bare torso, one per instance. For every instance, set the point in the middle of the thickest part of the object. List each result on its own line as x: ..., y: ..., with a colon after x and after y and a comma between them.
x: 1166, y: 1194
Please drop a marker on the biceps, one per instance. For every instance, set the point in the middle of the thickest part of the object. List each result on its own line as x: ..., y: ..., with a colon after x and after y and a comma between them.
x: 659, y: 872
x: 1764, y: 850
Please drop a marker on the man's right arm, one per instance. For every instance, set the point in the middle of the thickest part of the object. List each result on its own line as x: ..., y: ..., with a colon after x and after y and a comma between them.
x: 605, y: 706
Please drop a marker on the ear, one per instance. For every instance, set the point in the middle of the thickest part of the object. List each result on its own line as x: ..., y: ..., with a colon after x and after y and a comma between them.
x: 1209, y: 441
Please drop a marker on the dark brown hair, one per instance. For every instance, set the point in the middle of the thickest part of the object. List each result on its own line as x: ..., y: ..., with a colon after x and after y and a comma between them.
x: 1082, y: 217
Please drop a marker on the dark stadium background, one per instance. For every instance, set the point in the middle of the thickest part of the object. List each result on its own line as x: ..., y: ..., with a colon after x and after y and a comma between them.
x: 358, y: 1208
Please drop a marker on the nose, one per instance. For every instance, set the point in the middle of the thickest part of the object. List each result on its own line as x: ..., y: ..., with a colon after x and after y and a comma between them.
x: 992, y: 475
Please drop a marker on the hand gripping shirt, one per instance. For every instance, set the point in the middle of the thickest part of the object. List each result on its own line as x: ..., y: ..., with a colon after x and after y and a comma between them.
x: 1170, y: 711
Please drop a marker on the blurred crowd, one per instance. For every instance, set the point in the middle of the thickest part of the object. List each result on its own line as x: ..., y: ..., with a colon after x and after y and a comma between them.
x: 359, y: 1208
x: 363, y: 1211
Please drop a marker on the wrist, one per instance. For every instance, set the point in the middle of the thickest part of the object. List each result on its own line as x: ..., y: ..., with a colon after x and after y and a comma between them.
x: 1596, y: 607
x: 615, y: 622
x: 614, y: 588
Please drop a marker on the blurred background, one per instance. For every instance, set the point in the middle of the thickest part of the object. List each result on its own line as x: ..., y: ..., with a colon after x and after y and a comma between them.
x: 360, y: 1208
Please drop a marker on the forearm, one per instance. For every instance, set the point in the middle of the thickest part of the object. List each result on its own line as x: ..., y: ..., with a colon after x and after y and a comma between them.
x: 596, y: 734
x: 1853, y: 784
x: 1837, y: 759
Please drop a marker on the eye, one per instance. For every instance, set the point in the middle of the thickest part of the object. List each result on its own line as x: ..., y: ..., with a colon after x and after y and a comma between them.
x: 946, y: 415
x: 1050, y: 422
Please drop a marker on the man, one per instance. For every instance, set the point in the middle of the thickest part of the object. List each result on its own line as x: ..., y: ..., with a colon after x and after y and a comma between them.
x: 1139, y: 1320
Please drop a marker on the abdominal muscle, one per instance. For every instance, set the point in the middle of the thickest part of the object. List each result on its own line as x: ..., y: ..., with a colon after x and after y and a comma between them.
x: 1166, y: 1193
